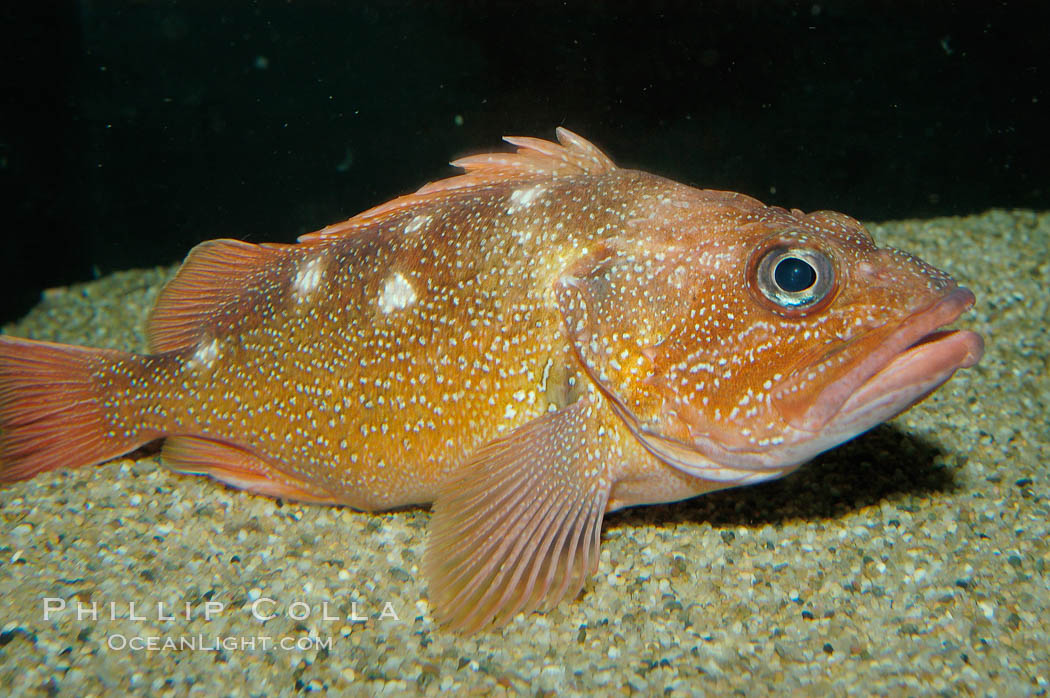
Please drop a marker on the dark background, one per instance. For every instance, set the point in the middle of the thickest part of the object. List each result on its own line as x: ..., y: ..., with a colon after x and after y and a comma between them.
x: 129, y: 131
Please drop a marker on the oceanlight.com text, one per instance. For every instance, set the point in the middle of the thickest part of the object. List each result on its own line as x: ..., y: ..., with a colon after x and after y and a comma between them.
x: 215, y: 643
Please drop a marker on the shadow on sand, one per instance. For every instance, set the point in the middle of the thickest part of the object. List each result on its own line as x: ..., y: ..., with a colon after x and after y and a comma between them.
x: 886, y: 463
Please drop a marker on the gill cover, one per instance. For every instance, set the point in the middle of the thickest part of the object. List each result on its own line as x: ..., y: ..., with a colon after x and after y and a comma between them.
x: 617, y: 304
x: 627, y: 315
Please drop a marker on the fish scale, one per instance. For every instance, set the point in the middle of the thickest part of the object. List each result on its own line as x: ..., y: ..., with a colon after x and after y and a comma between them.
x: 527, y: 346
x: 410, y: 326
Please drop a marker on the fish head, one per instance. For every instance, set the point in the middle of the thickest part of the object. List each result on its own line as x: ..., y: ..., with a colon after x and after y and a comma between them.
x: 738, y: 344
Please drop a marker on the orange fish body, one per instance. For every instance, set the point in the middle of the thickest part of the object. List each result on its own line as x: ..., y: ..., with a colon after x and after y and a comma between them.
x: 527, y: 346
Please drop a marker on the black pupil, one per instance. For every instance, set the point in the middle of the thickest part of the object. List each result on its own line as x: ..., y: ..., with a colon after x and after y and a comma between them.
x: 794, y: 275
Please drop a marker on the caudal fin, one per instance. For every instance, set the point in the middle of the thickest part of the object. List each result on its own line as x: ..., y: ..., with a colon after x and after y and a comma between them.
x: 51, y: 413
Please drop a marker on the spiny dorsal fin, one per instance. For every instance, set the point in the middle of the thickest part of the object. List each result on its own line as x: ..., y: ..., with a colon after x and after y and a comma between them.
x: 534, y: 158
x: 572, y: 155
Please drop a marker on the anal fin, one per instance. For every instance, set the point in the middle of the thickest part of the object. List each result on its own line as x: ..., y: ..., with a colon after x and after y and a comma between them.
x: 238, y: 468
x: 520, y: 526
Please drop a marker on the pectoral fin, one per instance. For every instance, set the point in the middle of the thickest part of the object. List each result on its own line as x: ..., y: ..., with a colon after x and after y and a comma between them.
x: 520, y: 526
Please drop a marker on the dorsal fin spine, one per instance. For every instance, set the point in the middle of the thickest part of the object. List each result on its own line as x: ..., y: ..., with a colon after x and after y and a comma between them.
x: 534, y: 158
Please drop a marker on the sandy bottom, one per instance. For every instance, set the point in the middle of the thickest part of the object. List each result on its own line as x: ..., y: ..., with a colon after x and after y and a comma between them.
x: 912, y: 560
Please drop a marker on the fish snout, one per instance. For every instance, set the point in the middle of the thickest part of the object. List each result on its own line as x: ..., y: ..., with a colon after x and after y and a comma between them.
x: 903, y: 273
x: 887, y: 371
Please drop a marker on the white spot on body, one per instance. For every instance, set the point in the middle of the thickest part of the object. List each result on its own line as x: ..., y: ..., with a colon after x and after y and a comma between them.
x: 546, y: 374
x: 307, y: 278
x: 397, y: 293
x: 523, y: 198
x: 204, y: 357
x: 416, y: 223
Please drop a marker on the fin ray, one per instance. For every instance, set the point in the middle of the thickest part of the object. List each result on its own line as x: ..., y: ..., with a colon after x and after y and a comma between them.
x: 534, y: 158
x: 51, y: 412
x: 214, y: 278
x: 515, y: 530
x: 237, y: 467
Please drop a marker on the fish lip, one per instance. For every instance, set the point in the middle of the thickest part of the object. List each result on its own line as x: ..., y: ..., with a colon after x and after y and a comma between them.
x: 916, y: 358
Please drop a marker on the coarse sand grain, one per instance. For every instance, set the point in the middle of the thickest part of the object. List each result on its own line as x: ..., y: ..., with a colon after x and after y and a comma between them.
x: 910, y: 561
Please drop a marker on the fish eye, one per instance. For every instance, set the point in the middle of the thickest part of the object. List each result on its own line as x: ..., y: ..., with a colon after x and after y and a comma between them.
x: 795, y: 278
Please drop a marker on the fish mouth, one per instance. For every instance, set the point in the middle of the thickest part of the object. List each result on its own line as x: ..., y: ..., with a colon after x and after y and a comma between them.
x: 908, y: 364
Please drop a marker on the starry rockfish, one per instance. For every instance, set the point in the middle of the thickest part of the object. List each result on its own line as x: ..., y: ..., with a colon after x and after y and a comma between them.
x: 529, y: 345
